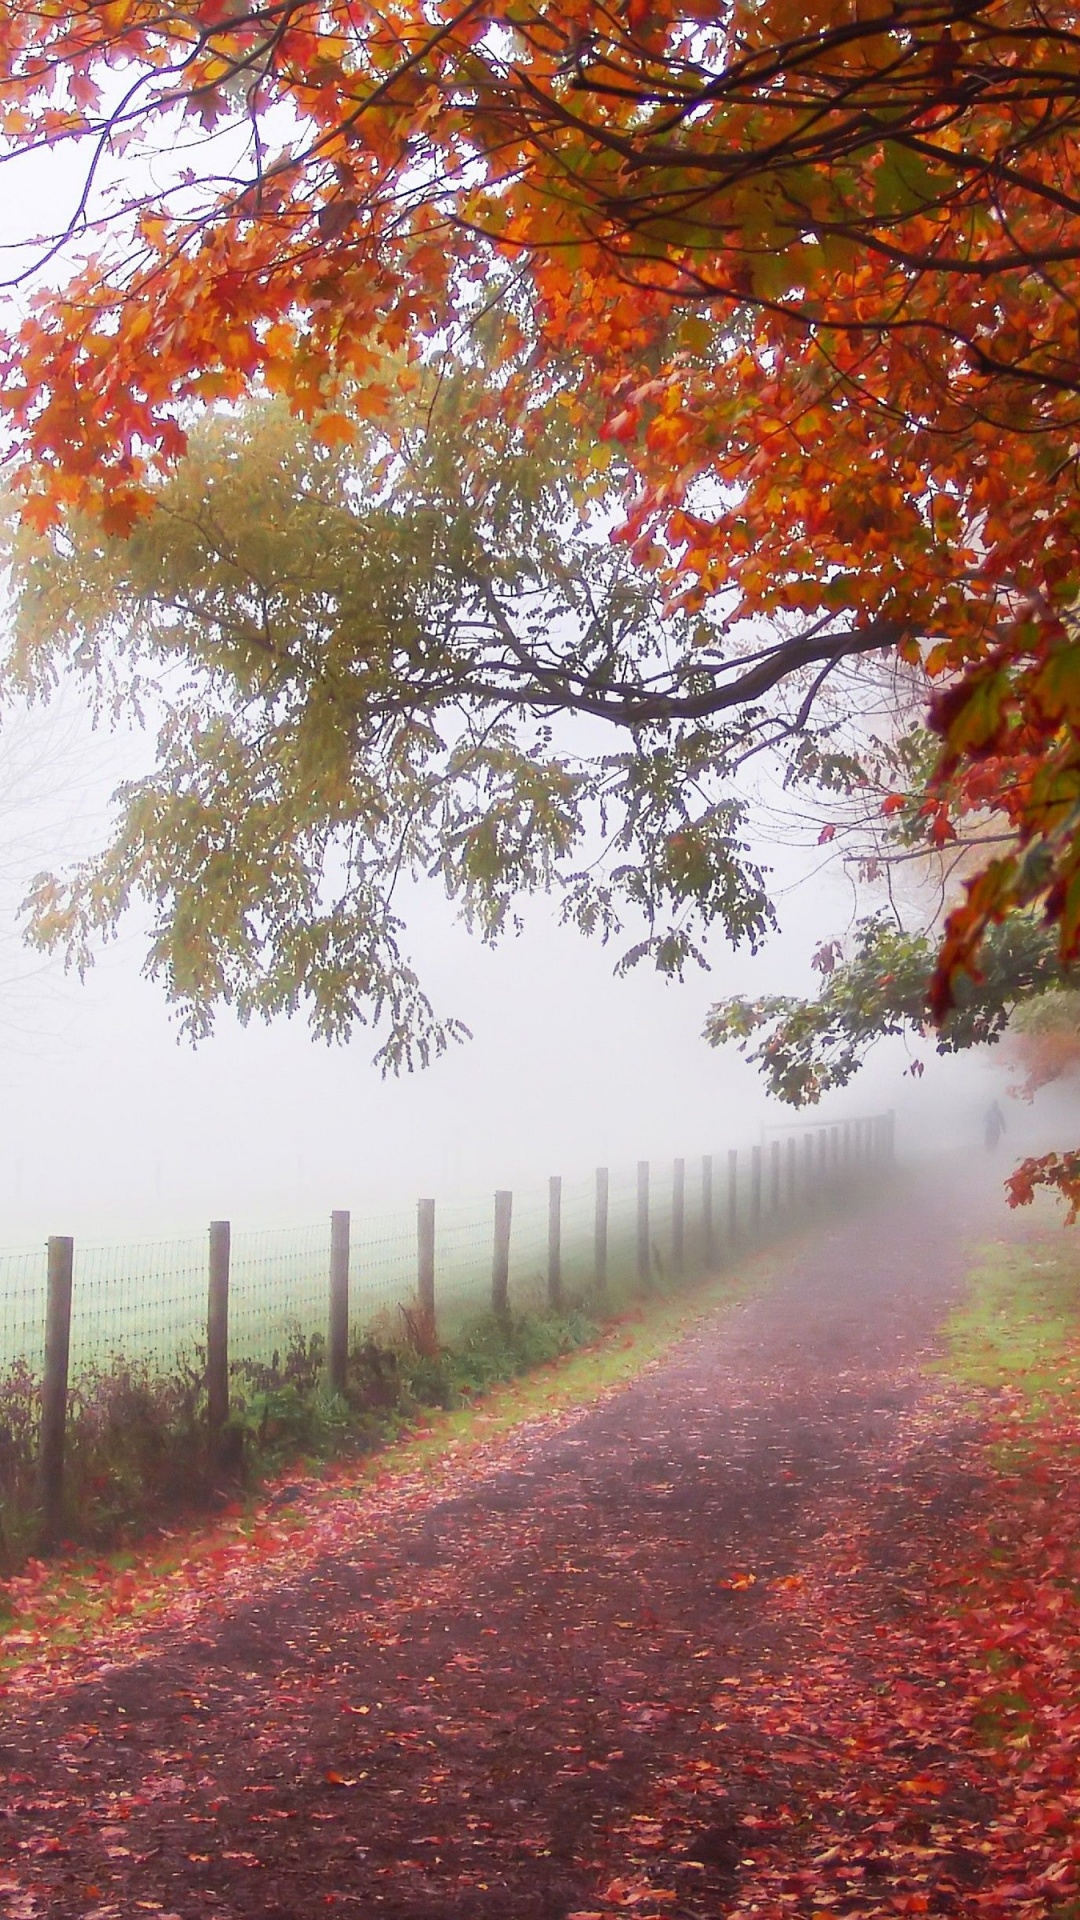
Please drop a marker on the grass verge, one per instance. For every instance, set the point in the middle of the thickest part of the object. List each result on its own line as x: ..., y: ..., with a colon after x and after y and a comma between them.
x: 50, y: 1605
x: 1014, y: 1609
x: 1019, y: 1326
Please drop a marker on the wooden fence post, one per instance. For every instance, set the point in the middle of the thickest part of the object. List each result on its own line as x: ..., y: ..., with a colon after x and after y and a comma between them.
x: 600, y: 1241
x: 733, y: 1196
x: 823, y: 1161
x: 678, y: 1219
x: 338, y: 1343
x: 808, y: 1168
x: 644, y: 1263
x: 217, y: 1331
x: 554, y: 1275
x: 755, y: 1193
x: 54, y: 1387
x: 792, y: 1173
x: 834, y: 1140
x: 425, y: 1265
x: 774, y: 1158
x: 500, y: 1265
x: 708, y: 1249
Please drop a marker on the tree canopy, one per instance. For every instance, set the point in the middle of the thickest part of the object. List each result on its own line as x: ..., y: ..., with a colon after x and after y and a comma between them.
x: 814, y: 271
x: 806, y: 277
x: 408, y: 654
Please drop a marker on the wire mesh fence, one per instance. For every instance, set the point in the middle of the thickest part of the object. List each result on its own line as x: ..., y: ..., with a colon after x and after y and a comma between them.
x: 185, y: 1331
x: 146, y: 1300
x: 22, y: 1306
x: 277, y: 1285
x: 628, y: 1228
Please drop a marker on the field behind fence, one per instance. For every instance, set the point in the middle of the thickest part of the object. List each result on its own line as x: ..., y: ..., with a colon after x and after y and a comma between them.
x: 210, y: 1301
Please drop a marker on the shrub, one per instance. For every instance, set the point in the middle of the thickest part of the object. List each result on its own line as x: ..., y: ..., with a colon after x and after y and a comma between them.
x: 138, y: 1447
x: 136, y: 1444
x: 20, y: 1420
x: 494, y: 1349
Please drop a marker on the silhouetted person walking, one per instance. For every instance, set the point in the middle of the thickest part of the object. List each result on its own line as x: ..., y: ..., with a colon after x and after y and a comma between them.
x: 993, y: 1126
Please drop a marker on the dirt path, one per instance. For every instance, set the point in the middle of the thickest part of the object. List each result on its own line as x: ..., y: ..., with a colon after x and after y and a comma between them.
x: 509, y: 1699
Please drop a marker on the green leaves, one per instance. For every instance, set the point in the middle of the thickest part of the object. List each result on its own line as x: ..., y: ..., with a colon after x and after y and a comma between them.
x: 363, y: 653
x: 806, y: 1048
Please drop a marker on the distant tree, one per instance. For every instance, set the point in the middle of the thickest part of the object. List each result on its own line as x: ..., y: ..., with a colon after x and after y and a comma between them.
x: 1043, y: 1040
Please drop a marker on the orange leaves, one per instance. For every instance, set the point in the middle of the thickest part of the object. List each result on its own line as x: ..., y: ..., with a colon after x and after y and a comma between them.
x: 1044, y: 1056
x: 825, y: 333
x: 334, y: 430
x: 987, y: 896
x: 636, y: 1893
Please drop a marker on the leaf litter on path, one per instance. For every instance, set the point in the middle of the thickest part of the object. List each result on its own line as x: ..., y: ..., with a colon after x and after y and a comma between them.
x: 539, y: 1680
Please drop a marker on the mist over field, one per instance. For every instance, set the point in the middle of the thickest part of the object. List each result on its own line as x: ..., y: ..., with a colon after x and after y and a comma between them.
x: 113, y: 1127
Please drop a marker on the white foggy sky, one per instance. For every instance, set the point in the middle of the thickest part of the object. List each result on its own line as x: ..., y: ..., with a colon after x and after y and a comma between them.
x: 110, y: 1127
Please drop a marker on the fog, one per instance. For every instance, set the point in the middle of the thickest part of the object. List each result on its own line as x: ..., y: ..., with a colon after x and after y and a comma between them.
x: 114, y: 1127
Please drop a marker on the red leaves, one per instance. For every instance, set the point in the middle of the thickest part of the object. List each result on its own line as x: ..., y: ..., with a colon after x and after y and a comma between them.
x: 1054, y: 1172
x: 624, y: 426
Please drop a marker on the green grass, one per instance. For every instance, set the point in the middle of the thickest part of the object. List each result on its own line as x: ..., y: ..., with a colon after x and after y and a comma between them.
x: 1020, y: 1319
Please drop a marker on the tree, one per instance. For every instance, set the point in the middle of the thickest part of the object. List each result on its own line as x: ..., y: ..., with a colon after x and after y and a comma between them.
x: 807, y: 1048
x: 1044, y: 1039
x: 815, y: 274
x: 367, y: 650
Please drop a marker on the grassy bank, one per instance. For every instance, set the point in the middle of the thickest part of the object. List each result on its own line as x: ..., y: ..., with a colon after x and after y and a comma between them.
x: 1019, y: 1326
x: 1012, y: 1612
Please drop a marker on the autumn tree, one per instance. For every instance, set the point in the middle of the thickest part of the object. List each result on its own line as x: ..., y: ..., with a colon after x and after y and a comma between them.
x: 821, y: 260
x: 813, y: 272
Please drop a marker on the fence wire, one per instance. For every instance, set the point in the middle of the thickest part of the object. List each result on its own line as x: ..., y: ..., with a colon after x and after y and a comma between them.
x: 277, y: 1289
x: 23, y: 1277
x: 382, y: 1276
x: 148, y: 1302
